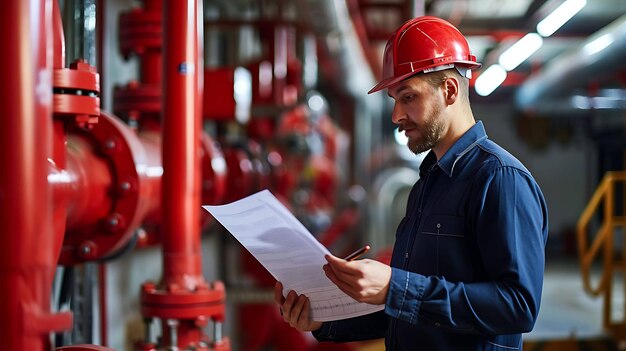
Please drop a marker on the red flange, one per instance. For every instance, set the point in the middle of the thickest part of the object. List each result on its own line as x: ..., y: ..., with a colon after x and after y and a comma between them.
x: 136, y: 98
x: 76, y: 92
x: 176, y: 302
x: 140, y: 31
x: 122, y: 160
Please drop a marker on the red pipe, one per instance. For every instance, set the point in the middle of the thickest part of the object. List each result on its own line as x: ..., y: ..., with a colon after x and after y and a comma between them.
x: 111, y: 174
x: 27, y: 261
x: 90, y: 182
x: 150, y: 71
x: 181, y: 160
x: 58, y: 158
x: 101, y: 174
x: 182, y: 301
x: 181, y: 140
x: 58, y: 39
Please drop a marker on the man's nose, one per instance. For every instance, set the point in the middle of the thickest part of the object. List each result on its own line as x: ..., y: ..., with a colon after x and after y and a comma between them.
x: 398, y: 114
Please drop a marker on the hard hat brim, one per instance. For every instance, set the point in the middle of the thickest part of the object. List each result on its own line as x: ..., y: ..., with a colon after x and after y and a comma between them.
x: 386, y: 83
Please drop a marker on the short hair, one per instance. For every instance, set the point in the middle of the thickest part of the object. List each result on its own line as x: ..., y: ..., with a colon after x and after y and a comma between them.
x: 436, y: 78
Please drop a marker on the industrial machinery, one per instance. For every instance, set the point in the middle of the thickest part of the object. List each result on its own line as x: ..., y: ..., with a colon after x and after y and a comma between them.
x: 85, y: 186
x: 84, y: 181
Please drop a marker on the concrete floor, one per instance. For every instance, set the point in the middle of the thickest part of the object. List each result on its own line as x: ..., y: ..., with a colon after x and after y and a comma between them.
x: 567, y: 311
x: 570, y: 319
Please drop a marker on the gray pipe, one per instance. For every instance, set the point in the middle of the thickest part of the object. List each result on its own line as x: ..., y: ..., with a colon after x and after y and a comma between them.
x: 575, y: 69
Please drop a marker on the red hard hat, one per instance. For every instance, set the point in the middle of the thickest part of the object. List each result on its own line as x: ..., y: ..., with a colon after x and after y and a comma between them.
x: 421, y: 44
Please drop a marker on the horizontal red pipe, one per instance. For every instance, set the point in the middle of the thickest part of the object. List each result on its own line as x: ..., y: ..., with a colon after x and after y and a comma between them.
x: 90, y: 191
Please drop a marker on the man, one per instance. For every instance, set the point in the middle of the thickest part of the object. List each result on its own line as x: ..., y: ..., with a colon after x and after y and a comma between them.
x: 467, y: 265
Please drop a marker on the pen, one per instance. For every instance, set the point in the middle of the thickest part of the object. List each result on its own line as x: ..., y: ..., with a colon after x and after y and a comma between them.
x: 356, y: 254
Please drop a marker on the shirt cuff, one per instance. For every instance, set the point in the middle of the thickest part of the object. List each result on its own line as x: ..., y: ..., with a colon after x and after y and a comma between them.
x: 324, y: 333
x: 405, y: 294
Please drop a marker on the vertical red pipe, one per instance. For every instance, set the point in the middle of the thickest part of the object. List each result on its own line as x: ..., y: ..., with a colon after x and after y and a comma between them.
x: 151, y: 68
x: 183, y: 301
x: 181, y: 144
x: 27, y: 260
x: 58, y: 38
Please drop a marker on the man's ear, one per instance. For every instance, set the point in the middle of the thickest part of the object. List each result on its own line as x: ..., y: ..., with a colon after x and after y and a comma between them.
x: 451, y: 90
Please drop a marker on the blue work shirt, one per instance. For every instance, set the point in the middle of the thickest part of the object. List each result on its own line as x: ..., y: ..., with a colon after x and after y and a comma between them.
x: 468, y: 260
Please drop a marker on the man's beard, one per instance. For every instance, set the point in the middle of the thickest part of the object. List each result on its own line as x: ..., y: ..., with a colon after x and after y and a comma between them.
x: 431, y: 132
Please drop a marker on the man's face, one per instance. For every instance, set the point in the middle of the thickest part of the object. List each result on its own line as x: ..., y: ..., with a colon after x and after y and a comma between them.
x: 418, y: 111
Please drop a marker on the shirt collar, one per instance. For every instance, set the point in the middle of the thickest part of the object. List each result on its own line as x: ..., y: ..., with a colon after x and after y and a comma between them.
x: 427, y: 162
x: 466, y: 142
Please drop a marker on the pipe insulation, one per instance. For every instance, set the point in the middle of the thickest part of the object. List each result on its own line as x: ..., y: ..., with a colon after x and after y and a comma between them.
x: 330, y: 20
x: 604, y: 51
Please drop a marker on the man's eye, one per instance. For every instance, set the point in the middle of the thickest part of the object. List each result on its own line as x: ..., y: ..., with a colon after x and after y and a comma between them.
x: 408, y: 97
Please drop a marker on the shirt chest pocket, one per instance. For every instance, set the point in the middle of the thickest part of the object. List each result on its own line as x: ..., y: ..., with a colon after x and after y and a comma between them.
x: 444, y: 226
x: 443, y: 245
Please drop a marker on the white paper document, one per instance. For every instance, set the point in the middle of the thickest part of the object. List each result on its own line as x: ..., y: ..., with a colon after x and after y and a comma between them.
x: 289, y: 252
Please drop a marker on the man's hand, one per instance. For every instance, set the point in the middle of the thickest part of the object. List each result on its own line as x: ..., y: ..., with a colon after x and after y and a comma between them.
x: 363, y: 280
x: 296, y: 310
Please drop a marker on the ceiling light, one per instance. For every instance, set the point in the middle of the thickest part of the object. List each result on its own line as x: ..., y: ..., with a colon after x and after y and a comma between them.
x: 520, y: 51
x: 400, y: 137
x: 489, y: 80
x: 598, y: 44
x: 242, y: 93
x: 316, y: 103
x: 580, y: 102
x: 559, y: 17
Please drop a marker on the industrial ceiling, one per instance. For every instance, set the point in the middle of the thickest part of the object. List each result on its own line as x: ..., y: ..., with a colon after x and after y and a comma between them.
x: 581, y: 66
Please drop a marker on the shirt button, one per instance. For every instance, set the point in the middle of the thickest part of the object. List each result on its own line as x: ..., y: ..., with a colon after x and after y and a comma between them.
x: 437, y: 324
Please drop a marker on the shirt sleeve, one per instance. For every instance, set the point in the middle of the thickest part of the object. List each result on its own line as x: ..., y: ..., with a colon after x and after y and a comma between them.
x: 510, y: 222
x: 367, y: 327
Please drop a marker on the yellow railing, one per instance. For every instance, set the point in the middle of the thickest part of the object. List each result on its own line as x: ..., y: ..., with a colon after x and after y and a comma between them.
x: 603, y: 241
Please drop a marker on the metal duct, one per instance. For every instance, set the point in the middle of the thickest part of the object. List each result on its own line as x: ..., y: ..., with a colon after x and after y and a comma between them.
x: 330, y: 19
x: 350, y: 71
x: 604, y: 51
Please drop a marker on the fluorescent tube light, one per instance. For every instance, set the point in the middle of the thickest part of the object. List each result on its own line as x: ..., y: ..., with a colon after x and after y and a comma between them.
x: 489, y: 80
x: 520, y: 51
x: 559, y: 17
x: 242, y: 91
x: 400, y: 137
x: 598, y: 44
